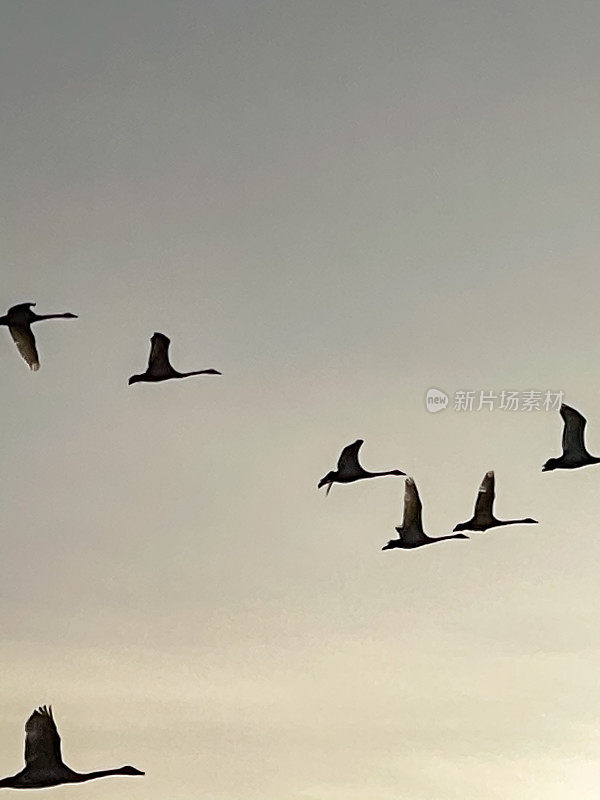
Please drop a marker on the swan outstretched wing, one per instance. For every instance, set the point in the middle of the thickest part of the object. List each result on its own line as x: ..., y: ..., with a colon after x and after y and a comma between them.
x: 411, y: 530
x: 158, y: 362
x: 19, y: 309
x: 412, y: 506
x: 25, y: 340
x: 573, y: 441
x: 42, y: 742
x: 348, y: 463
x: 484, y: 504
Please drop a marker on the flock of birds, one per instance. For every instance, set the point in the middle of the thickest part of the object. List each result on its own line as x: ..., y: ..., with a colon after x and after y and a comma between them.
x: 44, y: 766
x: 411, y: 533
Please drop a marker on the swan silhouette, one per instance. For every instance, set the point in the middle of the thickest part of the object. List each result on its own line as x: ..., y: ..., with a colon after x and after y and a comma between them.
x: 43, y: 761
x: 18, y: 320
x: 349, y: 468
x: 483, y: 516
x: 574, y: 452
x: 410, y: 533
x: 159, y: 366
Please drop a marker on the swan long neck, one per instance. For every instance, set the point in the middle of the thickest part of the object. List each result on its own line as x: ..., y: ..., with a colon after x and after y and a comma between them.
x: 195, y: 372
x: 81, y: 777
x: 39, y: 317
x: 381, y: 474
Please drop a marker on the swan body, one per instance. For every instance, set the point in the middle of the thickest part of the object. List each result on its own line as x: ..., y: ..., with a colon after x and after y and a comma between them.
x: 349, y: 468
x: 411, y: 533
x: 43, y: 760
x: 574, y: 454
x: 159, y: 367
x: 483, y: 515
x: 19, y: 319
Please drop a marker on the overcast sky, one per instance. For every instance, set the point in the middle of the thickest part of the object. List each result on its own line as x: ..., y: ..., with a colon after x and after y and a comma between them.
x: 338, y: 204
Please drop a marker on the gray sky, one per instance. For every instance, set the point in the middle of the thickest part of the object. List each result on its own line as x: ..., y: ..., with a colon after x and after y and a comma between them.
x: 339, y: 205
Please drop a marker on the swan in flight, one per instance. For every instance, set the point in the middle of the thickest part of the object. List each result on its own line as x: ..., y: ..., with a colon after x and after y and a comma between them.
x: 574, y: 452
x: 19, y: 320
x: 411, y: 533
x: 159, y: 366
x: 483, y: 516
x: 43, y: 761
x: 349, y: 468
